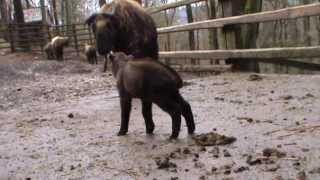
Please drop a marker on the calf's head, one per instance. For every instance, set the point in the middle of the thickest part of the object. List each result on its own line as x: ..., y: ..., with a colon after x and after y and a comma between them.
x: 118, y: 60
x: 104, y: 27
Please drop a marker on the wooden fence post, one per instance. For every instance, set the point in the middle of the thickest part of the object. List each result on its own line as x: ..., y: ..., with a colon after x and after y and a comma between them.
x: 213, y: 41
x: 11, y: 31
x: 228, y: 32
x: 191, y: 33
x: 49, y: 33
x: 74, y: 32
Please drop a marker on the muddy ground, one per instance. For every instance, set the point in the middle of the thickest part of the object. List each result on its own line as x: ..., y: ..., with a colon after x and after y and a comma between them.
x: 58, y: 120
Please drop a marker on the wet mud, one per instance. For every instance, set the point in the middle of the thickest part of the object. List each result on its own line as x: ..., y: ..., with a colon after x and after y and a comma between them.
x: 59, y: 121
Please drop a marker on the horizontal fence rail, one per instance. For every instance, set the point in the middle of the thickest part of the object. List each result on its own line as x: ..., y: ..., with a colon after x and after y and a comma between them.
x: 286, y: 13
x: 291, y: 52
x: 153, y: 10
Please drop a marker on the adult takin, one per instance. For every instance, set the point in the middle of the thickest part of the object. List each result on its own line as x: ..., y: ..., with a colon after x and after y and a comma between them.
x: 58, y: 44
x: 123, y: 25
x: 152, y: 82
x: 91, y: 54
x: 48, y: 49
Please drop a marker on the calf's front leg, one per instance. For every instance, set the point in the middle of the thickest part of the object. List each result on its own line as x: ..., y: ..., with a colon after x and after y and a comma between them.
x: 125, y: 103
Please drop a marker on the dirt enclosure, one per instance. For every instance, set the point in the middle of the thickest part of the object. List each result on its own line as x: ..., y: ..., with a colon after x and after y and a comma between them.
x: 58, y: 120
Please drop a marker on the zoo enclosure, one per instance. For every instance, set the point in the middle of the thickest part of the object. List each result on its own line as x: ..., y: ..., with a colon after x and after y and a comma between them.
x: 35, y: 36
x: 228, y: 52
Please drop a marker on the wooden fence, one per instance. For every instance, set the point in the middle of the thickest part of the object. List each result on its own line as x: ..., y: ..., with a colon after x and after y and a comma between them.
x: 225, y: 24
x: 35, y: 36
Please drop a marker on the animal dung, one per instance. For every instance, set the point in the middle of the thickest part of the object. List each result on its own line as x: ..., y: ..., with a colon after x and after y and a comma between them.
x: 211, y: 139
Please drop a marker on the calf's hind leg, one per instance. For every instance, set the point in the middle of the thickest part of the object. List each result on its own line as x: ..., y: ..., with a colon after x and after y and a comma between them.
x: 171, y: 107
x: 147, y: 115
x: 186, y: 112
x: 125, y: 103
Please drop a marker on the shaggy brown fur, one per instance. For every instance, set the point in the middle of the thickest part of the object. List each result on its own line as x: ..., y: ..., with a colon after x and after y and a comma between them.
x: 152, y: 82
x: 91, y: 54
x: 58, y: 44
x: 48, y: 49
x: 123, y: 25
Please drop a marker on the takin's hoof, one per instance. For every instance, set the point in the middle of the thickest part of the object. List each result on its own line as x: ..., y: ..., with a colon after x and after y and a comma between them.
x: 174, y: 136
x: 150, y: 130
x: 122, y: 133
x: 191, y: 130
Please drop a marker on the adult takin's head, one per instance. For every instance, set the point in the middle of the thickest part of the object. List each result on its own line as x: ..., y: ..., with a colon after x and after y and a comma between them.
x: 104, y: 27
x: 123, y: 25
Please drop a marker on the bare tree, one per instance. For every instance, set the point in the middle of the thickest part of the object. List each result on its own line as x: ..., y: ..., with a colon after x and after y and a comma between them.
x: 19, y: 20
x: 28, y: 4
x: 306, y: 25
x: 102, y: 2
x: 211, y: 11
x: 4, y: 11
x: 18, y: 11
x: 55, y: 13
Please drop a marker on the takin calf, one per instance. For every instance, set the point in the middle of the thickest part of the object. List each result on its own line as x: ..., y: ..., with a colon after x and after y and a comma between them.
x: 152, y: 82
x: 91, y: 54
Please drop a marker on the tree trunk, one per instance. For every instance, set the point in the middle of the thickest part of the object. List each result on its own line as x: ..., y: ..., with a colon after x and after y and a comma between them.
x: 55, y: 14
x: 4, y: 12
x: 19, y: 20
x: 102, y: 2
x: 247, y: 35
x: 306, y: 26
x: 28, y: 4
x: 68, y: 11
x: 251, y: 32
x: 191, y: 33
x: 18, y: 11
x: 43, y: 11
x: 63, y: 9
x: 211, y: 10
x: 167, y: 45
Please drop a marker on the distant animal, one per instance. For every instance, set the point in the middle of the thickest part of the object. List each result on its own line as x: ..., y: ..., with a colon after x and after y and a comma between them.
x: 123, y: 25
x: 58, y: 44
x: 48, y: 49
x: 91, y: 54
x: 152, y: 82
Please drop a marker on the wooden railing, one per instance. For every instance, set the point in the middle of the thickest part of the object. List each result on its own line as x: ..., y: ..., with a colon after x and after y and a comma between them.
x: 80, y: 33
x: 34, y: 37
x: 230, y: 52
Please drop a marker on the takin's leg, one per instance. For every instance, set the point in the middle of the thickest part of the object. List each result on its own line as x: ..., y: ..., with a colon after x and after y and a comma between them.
x: 94, y: 58
x: 59, y: 53
x: 105, y: 67
x: 125, y: 103
x: 186, y: 112
x: 89, y: 59
x: 51, y: 53
x: 171, y: 107
x: 147, y: 115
